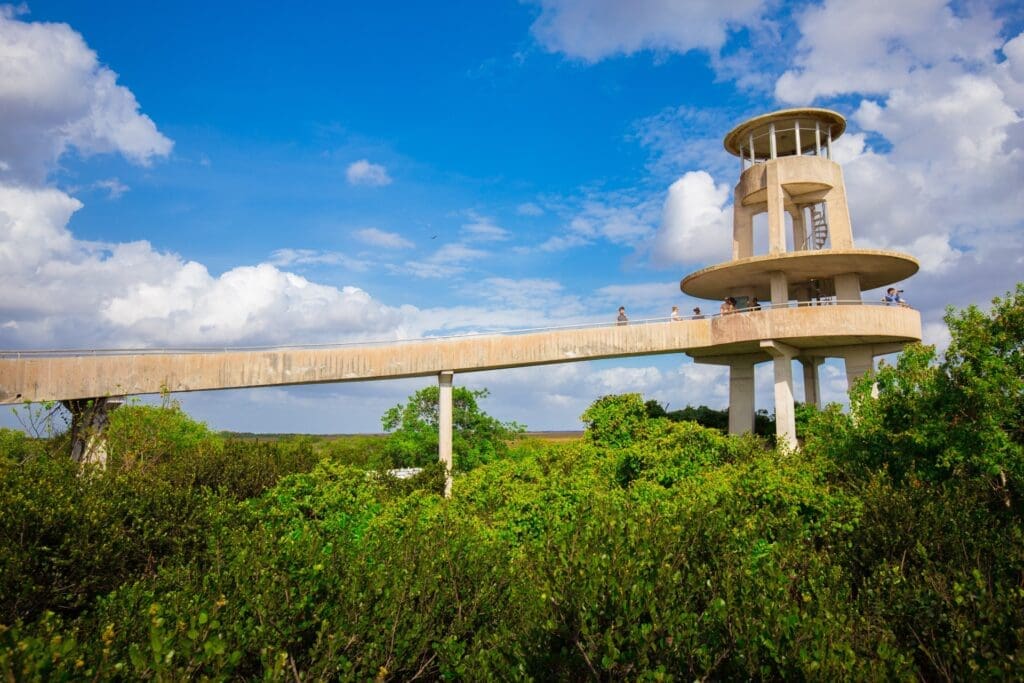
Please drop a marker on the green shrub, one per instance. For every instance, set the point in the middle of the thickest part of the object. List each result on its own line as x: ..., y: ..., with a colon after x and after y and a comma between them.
x: 237, y: 469
x: 139, y: 435
x: 16, y: 446
x: 615, y: 421
x: 68, y: 536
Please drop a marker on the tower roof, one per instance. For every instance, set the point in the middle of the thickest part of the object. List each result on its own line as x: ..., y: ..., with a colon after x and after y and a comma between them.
x: 785, y: 139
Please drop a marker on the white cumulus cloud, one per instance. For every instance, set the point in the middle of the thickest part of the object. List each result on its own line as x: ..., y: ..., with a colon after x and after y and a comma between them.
x: 63, y: 291
x: 55, y: 95
x: 696, y: 222
x: 875, y: 46
x: 594, y: 29
x: 362, y: 172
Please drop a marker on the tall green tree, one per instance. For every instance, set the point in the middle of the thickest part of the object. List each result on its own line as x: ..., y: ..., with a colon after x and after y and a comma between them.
x: 477, y: 438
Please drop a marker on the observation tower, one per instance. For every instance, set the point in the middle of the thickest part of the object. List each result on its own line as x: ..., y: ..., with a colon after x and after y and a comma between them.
x: 803, y: 297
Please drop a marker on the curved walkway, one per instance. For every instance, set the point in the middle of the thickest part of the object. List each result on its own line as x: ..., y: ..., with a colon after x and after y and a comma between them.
x: 821, y: 330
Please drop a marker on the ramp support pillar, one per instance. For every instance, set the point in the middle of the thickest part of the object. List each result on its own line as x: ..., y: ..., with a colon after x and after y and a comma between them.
x: 89, y: 419
x: 444, y: 427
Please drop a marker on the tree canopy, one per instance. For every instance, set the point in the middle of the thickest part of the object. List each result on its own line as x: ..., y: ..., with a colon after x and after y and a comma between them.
x: 477, y: 438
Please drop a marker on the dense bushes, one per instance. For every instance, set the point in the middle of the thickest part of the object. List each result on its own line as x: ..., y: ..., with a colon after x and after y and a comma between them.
x: 891, y: 547
x: 68, y: 535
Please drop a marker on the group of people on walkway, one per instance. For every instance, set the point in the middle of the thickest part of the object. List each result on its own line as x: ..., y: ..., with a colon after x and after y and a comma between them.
x: 730, y: 305
x: 623, y: 319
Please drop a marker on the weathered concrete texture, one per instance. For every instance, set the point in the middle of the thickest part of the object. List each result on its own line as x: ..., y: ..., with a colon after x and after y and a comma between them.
x: 59, y: 378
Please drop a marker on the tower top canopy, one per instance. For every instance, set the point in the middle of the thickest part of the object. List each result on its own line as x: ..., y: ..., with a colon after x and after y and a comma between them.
x: 786, y: 122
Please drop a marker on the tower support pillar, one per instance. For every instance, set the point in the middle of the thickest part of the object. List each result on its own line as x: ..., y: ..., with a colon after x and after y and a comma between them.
x: 859, y: 362
x: 741, y: 396
x: 812, y: 390
x: 780, y: 288
x: 776, y: 197
x: 799, y: 229
x: 785, y: 416
x: 848, y: 287
x: 742, y: 229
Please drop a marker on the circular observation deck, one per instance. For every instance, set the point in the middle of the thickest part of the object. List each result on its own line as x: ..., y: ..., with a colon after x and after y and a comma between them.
x: 814, y: 128
x: 752, y: 276
x: 823, y: 330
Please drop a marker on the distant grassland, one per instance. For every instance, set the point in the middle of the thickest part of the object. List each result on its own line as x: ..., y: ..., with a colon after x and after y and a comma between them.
x: 555, y: 436
x: 551, y: 437
x: 273, y: 437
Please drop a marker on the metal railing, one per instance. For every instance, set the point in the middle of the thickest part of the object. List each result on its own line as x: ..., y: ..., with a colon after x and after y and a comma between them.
x: 810, y: 139
x: 762, y: 306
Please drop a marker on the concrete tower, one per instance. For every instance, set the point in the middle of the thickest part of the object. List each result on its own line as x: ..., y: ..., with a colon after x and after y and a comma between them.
x: 811, y: 277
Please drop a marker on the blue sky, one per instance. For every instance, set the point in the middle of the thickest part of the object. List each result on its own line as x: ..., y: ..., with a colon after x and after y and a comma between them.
x: 236, y: 173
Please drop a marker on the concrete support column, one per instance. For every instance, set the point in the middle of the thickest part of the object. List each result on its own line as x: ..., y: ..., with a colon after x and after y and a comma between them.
x: 785, y: 415
x: 812, y: 390
x: 859, y: 362
x: 741, y: 396
x: 89, y: 419
x: 840, y: 229
x: 742, y: 229
x: 799, y: 229
x: 444, y: 427
x: 848, y: 287
x: 780, y: 288
x: 776, y: 197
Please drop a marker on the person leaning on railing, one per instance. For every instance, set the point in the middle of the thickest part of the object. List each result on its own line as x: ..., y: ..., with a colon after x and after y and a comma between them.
x: 892, y: 297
